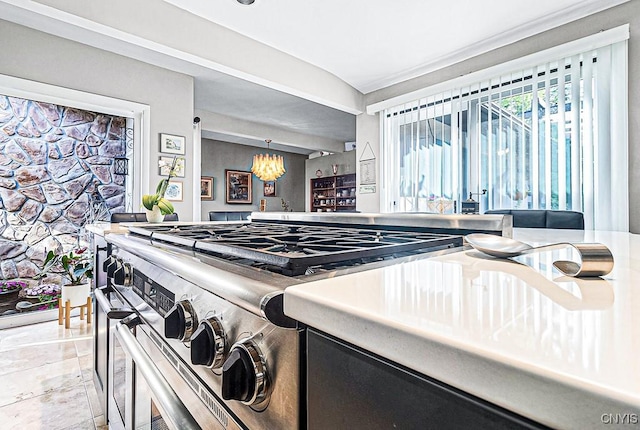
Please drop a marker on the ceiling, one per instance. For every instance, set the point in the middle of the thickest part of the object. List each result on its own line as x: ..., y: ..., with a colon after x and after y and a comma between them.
x: 369, y: 44
x: 231, y: 96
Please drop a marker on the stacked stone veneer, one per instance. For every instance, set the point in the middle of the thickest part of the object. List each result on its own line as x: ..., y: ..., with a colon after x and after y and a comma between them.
x: 54, y: 162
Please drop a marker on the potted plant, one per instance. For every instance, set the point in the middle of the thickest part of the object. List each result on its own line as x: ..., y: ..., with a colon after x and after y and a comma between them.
x: 156, y: 205
x: 76, y: 268
x: 9, y: 289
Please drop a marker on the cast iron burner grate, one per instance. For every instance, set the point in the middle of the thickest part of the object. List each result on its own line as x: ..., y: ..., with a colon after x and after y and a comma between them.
x: 295, y: 249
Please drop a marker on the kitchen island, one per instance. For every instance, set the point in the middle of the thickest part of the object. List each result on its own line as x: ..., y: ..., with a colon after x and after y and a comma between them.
x: 563, y: 352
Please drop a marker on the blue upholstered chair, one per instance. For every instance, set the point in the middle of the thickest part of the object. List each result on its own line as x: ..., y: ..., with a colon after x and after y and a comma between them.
x: 540, y: 218
x: 228, y: 216
x: 138, y: 217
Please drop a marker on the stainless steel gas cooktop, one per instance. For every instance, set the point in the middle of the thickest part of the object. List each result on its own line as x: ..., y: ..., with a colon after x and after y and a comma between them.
x: 210, y: 296
x: 293, y: 249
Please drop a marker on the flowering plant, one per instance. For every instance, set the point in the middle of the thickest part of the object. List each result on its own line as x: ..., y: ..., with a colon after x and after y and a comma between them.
x: 6, y: 286
x: 46, y: 293
x: 50, y: 290
x: 157, y: 199
x: 76, y: 266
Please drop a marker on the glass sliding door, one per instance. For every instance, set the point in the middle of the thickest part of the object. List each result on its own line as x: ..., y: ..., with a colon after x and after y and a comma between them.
x: 538, y: 138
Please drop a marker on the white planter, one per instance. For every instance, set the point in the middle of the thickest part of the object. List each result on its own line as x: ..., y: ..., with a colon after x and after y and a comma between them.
x: 154, y: 215
x: 77, y: 294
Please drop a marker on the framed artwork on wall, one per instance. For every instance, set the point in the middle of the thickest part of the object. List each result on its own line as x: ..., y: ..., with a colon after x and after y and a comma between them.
x: 269, y: 188
x: 165, y: 165
x: 174, y: 191
x: 238, y: 186
x: 172, y: 144
x: 206, y: 188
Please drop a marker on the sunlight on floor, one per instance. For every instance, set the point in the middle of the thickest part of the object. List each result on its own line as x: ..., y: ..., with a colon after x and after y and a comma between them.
x: 46, y: 378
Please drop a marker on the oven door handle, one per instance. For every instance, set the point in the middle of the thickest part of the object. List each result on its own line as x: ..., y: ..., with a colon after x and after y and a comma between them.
x: 105, y: 305
x: 168, y: 400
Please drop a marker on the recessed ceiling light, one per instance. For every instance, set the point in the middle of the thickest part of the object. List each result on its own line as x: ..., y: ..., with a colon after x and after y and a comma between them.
x: 246, y: 2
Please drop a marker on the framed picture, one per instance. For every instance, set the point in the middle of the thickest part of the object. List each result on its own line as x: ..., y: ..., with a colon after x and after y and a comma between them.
x: 172, y: 144
x: 269, y: 188
x: 238, y: 186
x: 206, y: 188
x: 174, y: 191
x: 165, y: 165
x: 368, y: 172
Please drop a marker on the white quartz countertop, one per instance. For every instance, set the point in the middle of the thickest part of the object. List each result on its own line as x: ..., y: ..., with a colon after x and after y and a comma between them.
x: 103, y: 228
x: 562, y: 351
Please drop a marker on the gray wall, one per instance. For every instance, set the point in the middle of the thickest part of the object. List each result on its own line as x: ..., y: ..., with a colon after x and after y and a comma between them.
x: 626, y: 13
x: 235, y: 54
x: 368, y: 131
x: 346, y: 162
x: 218, y: 156
x: 37, y: 56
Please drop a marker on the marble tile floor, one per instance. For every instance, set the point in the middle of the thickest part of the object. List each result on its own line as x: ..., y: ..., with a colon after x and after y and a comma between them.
x: 46, y: 378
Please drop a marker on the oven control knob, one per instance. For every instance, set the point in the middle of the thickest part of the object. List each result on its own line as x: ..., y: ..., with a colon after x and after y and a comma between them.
x: 180, y: 321
x: 111, y: 265
x: 208, y: 343
x: 123, y: 275
x: 107, y: 262
x: 244, y: 375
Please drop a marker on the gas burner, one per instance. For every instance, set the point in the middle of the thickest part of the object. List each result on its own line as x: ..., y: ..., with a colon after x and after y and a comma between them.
x: 292, y: 249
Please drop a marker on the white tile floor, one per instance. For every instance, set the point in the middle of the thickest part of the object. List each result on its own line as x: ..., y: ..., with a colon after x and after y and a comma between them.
x: 46, y: 378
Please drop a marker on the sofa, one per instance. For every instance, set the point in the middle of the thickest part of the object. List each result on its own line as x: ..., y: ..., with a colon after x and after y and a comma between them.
x: 541, y: 218
x: 138, y: 217
x: 228, y: 216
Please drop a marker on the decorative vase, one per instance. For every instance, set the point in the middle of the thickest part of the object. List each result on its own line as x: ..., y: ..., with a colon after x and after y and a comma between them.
x: 154, y: 215
x: 77, y: 294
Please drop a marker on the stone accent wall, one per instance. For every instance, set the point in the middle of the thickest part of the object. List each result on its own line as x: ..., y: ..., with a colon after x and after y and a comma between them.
x: 55, y: 163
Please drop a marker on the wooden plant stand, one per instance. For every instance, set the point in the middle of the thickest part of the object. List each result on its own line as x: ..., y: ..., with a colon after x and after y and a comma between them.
x: 64, y: 312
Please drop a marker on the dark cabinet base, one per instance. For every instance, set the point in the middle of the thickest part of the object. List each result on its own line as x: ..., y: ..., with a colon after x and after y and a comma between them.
x: 351, y: 389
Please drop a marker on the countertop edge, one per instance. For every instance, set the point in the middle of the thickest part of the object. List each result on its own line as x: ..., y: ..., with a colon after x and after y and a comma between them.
x: 550, y: 399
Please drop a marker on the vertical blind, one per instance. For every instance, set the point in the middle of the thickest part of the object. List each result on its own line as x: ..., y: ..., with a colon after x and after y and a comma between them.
x: 551, y: 136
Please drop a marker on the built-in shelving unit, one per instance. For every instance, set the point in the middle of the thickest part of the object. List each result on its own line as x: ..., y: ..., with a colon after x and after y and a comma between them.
x: 334, y: 193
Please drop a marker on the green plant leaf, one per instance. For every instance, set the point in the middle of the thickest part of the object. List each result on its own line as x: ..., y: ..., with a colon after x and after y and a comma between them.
x: 148, y: 200
x: 65, y: 262
x: 74, y: 267
x: 80, y: 272
x: 50, y: 256
x: 165, y: 206
x: 162, y: 187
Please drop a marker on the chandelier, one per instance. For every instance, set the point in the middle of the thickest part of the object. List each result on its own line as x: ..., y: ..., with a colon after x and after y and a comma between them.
x: 268, y: 167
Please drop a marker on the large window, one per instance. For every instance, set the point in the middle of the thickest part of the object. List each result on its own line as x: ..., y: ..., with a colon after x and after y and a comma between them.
x: 550, y: 136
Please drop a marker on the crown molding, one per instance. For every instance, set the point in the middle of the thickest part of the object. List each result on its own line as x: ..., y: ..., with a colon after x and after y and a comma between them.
x: 548, y: 22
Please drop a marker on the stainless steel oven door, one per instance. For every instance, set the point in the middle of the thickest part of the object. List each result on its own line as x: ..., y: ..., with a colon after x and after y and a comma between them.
x: 119, y: 368
x: 108, y: 310
x: 148, y: 392
x: 101, y: 346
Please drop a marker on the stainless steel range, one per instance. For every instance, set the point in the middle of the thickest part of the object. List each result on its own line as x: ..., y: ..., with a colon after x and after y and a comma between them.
x: 203, y: 341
